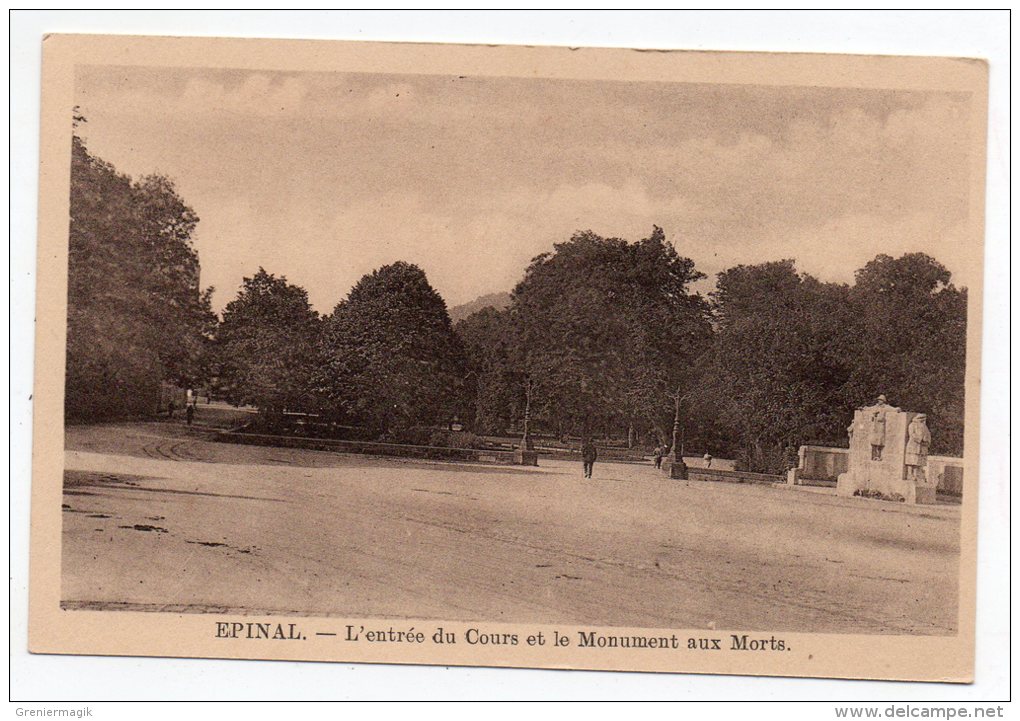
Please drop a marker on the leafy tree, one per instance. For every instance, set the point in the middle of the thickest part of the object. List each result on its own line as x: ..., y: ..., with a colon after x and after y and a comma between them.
x: 908, y: 340
x: 183, y: 319
x: 792, y: 357
x: 606, y: 330
x: 267, y: 347
x: 390, y: 357
x: 494, y: 385
x: 137, y: 315
x: 773, y: 375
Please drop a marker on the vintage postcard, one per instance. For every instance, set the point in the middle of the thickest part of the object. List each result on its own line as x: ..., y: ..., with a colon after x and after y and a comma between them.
x: 508, y: 356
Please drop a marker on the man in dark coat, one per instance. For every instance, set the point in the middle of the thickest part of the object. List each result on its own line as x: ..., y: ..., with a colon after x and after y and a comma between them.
x: 588, y: 456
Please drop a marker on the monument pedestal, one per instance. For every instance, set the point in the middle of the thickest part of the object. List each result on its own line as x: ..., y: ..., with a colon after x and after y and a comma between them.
x: 904, y: 491
x: 924, y: 494
x: 677, y: 470
x: 523, y: 457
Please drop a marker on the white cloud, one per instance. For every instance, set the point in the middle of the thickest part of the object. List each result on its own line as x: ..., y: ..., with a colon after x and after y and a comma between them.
x: 325, y: 177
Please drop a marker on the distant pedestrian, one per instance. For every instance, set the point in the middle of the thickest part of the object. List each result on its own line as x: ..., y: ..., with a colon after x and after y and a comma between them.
x: 170, y: 408
x: 657, y: 455
x: 708, y: 460
x: 588, y: 456
x: 190, y: 413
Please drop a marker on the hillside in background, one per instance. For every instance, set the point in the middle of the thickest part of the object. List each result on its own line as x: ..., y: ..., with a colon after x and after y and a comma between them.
x: 499, y: 301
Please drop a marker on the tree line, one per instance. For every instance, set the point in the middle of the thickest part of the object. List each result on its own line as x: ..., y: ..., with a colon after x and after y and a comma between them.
x: 601, y: 337
x: 136, y: 314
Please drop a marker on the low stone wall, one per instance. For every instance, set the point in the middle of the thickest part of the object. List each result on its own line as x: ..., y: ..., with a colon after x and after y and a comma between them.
x: 730, y: 476
x: 724, y: 475
x: 606, y: 455
x: 822, y: 464
x: 947, y: 474
x: 396, y: 450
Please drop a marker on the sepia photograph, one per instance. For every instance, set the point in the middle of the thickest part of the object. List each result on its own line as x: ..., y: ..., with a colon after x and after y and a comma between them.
x: 648, y: 354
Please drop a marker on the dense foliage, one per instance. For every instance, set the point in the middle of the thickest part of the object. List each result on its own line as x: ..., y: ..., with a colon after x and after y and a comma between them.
x: 390, y: 358
x: 605, y: 331
x: 267, y: 347
x: 137, y: 316
x: 907, y: 334
x: 600, y: 337
x: 493, y: 381
x: 792, y: 357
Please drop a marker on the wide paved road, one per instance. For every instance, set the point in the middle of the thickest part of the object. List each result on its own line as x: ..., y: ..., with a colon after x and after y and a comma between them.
x: 156, y: 520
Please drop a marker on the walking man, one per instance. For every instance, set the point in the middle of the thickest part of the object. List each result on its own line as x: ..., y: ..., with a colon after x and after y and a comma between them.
x: 588, y: 456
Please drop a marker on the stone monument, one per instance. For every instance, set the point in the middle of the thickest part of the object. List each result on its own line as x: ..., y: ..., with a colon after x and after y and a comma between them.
x: 888, y: 455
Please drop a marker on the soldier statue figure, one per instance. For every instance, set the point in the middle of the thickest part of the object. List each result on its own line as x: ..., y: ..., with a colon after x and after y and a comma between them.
x: 918, y: 440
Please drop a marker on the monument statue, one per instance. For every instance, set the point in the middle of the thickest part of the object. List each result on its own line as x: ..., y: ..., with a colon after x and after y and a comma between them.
x: 918, y: 440
x: 877, y: 427
x: 888, y: 455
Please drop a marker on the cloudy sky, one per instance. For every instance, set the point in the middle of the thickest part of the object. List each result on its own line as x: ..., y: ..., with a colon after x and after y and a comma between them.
x: 323, y: 177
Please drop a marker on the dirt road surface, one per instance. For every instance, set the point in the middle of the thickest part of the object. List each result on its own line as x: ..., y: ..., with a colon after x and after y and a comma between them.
x: 155, y: 519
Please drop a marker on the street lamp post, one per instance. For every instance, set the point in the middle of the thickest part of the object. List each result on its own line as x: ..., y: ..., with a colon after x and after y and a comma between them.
x: 526, y: 454
x: 526, y: 442
x: 674, y: 465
